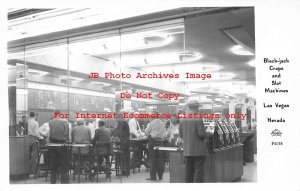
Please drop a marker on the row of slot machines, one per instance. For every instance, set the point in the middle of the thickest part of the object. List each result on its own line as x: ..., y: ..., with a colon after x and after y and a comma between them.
x: 225, y: 133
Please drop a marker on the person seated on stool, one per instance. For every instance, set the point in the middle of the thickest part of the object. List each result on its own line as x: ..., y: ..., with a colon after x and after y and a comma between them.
x: 156, y: 131
x: 102, y: 135
x: 81, y: 134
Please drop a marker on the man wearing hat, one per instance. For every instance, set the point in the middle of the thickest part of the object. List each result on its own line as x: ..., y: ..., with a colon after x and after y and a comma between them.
x: 194, y: 146
x: 81, y: 134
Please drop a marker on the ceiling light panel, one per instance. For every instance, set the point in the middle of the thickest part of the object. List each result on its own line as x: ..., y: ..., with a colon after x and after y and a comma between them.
x: 182, y: 68
x: 160, y: 59
x: 125, y: 43
x: 129, y: 39
x: 215, y: 76
x: 38, y: 72
x: 100, y: 83
x: 70, y: 78
x: 217, y: 84
x: 251, y: 63
x: 74, y: 18
x: 239, y: 50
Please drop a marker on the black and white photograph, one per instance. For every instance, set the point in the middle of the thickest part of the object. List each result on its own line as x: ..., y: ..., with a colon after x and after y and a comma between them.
x: 150, y: 95
x: 167, y: 96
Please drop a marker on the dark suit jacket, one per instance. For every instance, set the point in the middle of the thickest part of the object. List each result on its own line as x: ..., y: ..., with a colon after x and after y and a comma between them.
x: 194, y: 136
x: 102, y: 134
x: 122, y: 131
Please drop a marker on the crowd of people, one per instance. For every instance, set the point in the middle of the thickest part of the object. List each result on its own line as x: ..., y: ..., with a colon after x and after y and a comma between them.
x: 158, y: 132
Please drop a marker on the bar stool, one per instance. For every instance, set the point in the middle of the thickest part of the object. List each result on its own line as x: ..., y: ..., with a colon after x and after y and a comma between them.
x: 69, y: 148
x: 116, y: 157
x: 103, y: 150
x: 119, y: 150
x: 136, y: 155
x: 78, y: 156
x: 42, y: 150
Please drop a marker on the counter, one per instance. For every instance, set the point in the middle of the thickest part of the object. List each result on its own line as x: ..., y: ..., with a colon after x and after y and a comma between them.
x: 221, y: 165
x: 247, y: 139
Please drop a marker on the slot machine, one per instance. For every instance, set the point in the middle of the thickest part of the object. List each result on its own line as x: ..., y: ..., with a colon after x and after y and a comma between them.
x: 236, y: 132
x: 225, y: 133
x: 218, y: 136
x: 210, y: 129
x: 231, y: 132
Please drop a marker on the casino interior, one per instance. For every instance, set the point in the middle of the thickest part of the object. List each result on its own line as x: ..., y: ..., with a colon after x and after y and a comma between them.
x: 155, y: 60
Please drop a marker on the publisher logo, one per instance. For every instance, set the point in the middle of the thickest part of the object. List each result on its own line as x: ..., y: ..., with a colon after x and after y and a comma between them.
x: 276, y: 133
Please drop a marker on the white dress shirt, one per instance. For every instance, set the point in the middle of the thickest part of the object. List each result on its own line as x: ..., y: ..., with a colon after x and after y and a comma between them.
x: 134, y: 127
x: 33, y: 128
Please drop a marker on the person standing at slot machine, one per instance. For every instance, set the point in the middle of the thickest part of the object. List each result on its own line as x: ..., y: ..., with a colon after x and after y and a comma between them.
x: 194, y: 144
x: 58, y: 155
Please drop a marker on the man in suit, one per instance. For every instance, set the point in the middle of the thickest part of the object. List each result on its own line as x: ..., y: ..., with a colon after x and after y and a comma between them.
x: 194, y: 146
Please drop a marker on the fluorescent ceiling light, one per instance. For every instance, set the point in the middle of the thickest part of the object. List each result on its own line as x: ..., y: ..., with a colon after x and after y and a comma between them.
x: 11, y: 84
x: 217, y: 84
x: 214, y: 76
x: 42, y: 23
x: 100, y: 83
x: 56, y: 88
x: 230, y: 89
x: 71, y: 78
x: 11, y: 67
x: 251, y: 63
x: 76, y: 79
x: 123, y: 43
x: 217, y: 105
x: 239, y: 50
x: 107, y: 109
x: 38, y: 72
x: 182, y: 68
x: 41, y: 51
x: 160, y: 59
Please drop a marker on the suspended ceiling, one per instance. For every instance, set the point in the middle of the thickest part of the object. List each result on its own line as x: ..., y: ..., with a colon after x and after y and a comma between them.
x: 212, y: 34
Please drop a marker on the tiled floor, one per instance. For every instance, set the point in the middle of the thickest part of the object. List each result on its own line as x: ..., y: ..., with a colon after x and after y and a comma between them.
x: 249, y: 175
